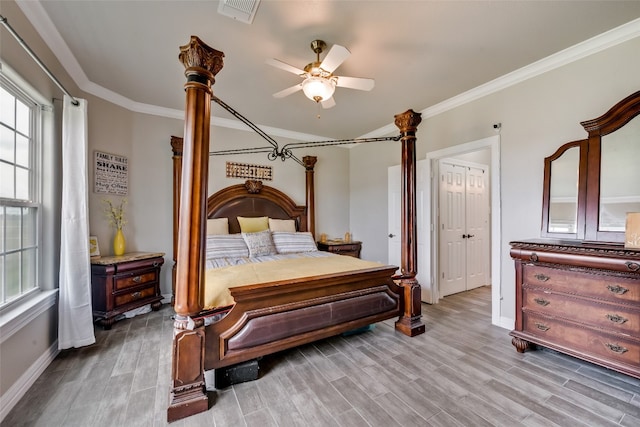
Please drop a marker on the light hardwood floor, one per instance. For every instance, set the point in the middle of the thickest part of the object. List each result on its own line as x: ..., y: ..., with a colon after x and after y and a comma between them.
x: 462, y: 372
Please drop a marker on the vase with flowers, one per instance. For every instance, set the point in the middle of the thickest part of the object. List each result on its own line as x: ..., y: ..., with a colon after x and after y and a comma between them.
x: 115, y: 215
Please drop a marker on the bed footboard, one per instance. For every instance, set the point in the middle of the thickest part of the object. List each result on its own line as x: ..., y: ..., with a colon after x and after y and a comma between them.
x: 272, y: 317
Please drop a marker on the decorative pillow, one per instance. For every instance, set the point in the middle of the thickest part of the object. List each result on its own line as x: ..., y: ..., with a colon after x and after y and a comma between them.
x: 226, y: 245
x: 282, y: 225
x: 287, y: 242
x: 259, y: 243
x: 253, y: 225
x: 218, y: 226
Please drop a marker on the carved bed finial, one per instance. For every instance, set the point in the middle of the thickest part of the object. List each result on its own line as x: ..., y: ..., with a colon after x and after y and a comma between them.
x: 198, y: 55
x: 408, y: 121
x: 253, y: 186
x: 309, y: 162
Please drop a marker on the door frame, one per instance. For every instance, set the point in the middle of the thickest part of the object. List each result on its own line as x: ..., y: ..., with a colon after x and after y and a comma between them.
x: 493, y: 143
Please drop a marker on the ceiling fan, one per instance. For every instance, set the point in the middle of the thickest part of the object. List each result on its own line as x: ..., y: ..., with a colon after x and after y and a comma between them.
x: 319, y: 82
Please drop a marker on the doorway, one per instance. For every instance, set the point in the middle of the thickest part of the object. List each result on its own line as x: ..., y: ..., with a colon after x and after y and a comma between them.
x: 463, y: 222
x: 430, y: 256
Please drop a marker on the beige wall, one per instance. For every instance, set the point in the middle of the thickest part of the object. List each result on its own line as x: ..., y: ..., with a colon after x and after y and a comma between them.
x: 537, y: 116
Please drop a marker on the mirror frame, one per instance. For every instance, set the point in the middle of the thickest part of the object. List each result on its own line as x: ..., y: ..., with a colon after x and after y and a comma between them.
x: 588, y: 215
x: 582, y: 186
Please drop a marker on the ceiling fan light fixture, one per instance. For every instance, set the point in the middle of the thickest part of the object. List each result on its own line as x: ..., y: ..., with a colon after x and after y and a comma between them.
x: 318, y: 89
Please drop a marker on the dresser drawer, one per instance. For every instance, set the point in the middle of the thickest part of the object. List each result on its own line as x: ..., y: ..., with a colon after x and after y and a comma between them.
x: 600, y: 286
x: 583, y: 340
x: 128, y: 297
x: 616, y: 318
x: 130, y: 280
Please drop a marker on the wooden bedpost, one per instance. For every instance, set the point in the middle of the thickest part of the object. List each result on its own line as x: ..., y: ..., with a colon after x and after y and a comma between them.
x: 410, y: 322
x: 188, y: 394
x: 309, y: 164
x: 176, y: 148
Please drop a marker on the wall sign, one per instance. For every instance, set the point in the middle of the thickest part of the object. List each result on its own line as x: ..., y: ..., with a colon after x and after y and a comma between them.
x: 245, y: 170
x: 111, y: 174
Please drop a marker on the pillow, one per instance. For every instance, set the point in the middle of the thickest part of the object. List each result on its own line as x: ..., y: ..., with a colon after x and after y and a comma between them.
x: 226, y: 245
x: 218, y: 226
x: 259, y: 243
x: 282, y: 225
x: 286, y: 242
x: 253, y: 225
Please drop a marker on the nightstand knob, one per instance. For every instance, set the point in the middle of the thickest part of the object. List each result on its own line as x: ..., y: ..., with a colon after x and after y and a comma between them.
x: 391, y: 235
x: 137, y: 279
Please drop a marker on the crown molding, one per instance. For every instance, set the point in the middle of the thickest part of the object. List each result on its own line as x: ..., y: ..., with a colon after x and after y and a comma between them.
x: 38, y: 17
x: 571, y: 54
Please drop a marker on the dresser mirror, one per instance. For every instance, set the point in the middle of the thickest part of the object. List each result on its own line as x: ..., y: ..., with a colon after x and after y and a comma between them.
x: 563, y: 192
x: 591, y: 184
x: 619, y: 176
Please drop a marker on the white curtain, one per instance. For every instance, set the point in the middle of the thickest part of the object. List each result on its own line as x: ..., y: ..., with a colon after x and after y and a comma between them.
x: 75, y: 323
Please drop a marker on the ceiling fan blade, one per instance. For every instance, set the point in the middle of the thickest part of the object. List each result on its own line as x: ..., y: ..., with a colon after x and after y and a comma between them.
x: 284, y: 66
x: 288, y: 91
x: 328, y: 103
x: 355, y: 83
x: 336, y: 56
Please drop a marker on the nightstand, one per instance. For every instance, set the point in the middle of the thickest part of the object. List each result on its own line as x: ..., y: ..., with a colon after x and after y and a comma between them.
x: 122, y: 283
x: 341, y: 247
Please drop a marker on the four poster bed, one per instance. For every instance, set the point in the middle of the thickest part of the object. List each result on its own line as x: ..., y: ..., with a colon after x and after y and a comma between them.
x: 266, y: 316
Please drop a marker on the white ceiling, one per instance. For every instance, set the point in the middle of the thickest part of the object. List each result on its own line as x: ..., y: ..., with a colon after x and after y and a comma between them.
x: 420, y: 53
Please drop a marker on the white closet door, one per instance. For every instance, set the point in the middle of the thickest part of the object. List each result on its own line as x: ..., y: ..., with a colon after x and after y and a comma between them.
x: 453, y: 255
x: 464, y: 227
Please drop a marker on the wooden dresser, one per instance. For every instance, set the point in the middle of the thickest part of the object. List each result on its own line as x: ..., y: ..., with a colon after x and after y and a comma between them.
x: 580, y: 299
x: 341, y: 247
x: 123, y: 283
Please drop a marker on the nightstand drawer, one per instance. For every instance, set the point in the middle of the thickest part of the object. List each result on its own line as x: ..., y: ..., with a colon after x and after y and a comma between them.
x: 126, y: 298
x: 341, y: 248
x: 346, y: 248
x: 135, y: 280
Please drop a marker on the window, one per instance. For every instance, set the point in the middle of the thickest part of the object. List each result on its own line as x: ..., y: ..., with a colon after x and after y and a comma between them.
x: 19, y: 194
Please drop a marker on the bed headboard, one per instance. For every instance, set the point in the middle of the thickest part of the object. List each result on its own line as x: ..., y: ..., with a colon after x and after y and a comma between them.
x: 246, y: 200
x: 253, y: 199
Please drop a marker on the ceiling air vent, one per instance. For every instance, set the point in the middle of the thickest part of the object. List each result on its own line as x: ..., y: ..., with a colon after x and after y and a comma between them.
x: 240, y: 10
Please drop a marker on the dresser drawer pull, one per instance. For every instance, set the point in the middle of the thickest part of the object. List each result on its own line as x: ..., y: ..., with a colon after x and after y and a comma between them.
x: 155, y: 264
x: 617, y: 348
x: 542, y: 277
x: 633, y: 266
x: 137, y: 279
x: 617, y: 289
x: 541, y: 301
x: 542, y: 327
x: 615, y: 318
x: 136, y: 294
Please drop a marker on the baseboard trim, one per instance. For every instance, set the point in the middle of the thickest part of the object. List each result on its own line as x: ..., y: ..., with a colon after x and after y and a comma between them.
x: 505, y: 322
x: 17, y: 391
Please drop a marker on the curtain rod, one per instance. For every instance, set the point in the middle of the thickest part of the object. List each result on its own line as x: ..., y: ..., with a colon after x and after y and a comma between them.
x: 31, y: 53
